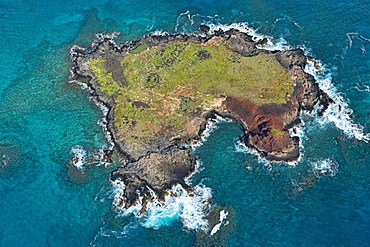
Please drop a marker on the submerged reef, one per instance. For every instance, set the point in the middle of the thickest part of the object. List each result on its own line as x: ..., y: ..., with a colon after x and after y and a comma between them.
x: 160, y: 90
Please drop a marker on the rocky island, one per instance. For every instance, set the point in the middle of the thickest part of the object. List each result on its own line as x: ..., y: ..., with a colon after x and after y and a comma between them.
x: 161, y: 90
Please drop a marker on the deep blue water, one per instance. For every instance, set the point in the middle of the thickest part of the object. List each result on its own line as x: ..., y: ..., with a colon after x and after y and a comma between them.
x: 43, y: 118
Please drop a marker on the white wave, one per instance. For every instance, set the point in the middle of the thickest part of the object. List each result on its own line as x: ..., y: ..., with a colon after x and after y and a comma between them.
x: 100, y: 157
x: 186, y: 19
x: 198, y: 169
x: 240, y: 147
x: 73, y: 49
x: 190, y: 208
x: 4, y: 161
x: 299, y: 131
x: 102, y: 106
x: 290, y: 20
x: 108, y: 135
x: 102, y: 122
x: 281, y: 44
x: 339, y: 112
x: 188, y: 16
x: 362, y: 87
x: 357, y: 36
x: 326, y: 167
x: 110, y: 38
x: 363, y: 49
x: 118, y: 188
x: 223, y: 216
x: 83, y: 85
x: 159, y: 33
x: 211, y: 125
x: 241, y: 26
x: 79, y: 158
x: 111, y: 35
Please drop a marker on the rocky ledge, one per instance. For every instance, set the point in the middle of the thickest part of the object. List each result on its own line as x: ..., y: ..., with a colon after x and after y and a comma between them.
x: 159, y: 97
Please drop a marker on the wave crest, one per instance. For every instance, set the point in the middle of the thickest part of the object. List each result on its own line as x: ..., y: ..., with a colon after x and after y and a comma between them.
x: 338, y: 112
x: 326, y: 167
x: 79, y: 157
x: 189, y: 207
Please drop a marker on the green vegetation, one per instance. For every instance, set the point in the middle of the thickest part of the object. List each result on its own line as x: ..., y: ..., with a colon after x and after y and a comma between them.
x: 277, y: 132
x: 108, y: 85
x: 176, y: 79
x: 139, y: 49
x: 260, y: 79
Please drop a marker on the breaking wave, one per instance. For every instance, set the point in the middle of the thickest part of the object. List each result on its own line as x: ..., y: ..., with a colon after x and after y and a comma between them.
x: 327, y: 167
x: 211, y: 125
x: 79, y: 157
x: 82, y: 159
x: 179, y: 204
x: 339, y: 112
x: 223, y: 216
x: 240, y: 147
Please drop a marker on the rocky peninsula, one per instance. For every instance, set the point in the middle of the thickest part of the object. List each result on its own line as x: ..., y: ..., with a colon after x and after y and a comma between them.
x: 161, y: 90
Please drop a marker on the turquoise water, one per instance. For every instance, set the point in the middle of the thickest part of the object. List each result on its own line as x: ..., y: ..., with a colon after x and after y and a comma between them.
x: 47, y: 202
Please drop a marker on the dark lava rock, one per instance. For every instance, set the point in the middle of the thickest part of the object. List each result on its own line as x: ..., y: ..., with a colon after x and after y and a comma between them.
x: 203, y: 54
x: 157, y: 171
x: 139, y: 104
x: 112, y: 65
x: 203, y: 29
x: 262, y: 42
x: 288, y: 59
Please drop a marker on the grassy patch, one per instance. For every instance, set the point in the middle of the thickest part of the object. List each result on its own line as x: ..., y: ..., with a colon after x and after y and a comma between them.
x: 178, y: 78
x: 211, y: 70
x: 108, y: 85
x: 139, y: 49
x: 277, y: 132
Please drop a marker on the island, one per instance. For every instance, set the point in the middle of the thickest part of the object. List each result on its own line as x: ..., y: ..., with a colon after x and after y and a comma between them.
x: 160, y: 91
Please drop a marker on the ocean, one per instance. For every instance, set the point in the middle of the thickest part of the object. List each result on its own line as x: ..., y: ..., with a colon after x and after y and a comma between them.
x: 321, y: 200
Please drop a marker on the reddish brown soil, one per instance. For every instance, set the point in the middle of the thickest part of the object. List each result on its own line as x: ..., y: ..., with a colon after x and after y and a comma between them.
x: 259, y: 121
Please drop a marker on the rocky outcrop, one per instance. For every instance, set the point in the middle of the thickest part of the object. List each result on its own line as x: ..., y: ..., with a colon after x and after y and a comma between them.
x: 157, y: 172
x: 159, y: 164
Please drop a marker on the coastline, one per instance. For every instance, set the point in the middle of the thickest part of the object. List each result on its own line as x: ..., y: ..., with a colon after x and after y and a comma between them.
x: 164, y: 163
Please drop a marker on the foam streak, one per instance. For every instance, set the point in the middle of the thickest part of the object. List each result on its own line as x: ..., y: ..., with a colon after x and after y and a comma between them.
x: 190, y: 208
x: 339, y: 112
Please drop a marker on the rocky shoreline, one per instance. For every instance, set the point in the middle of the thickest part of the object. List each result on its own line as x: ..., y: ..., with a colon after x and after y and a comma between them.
x: 161, y: 163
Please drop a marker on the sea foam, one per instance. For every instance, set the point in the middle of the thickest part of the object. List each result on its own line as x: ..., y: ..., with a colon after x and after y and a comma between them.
x: 217, y: 227
x: 4, y: 161
x: 240, y: 147
x: 327, y: 167
x: 103, y: 121
x: 190, y: 208
x: 79, y: 157
x: 339, y: 112
x: 211, y: 125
